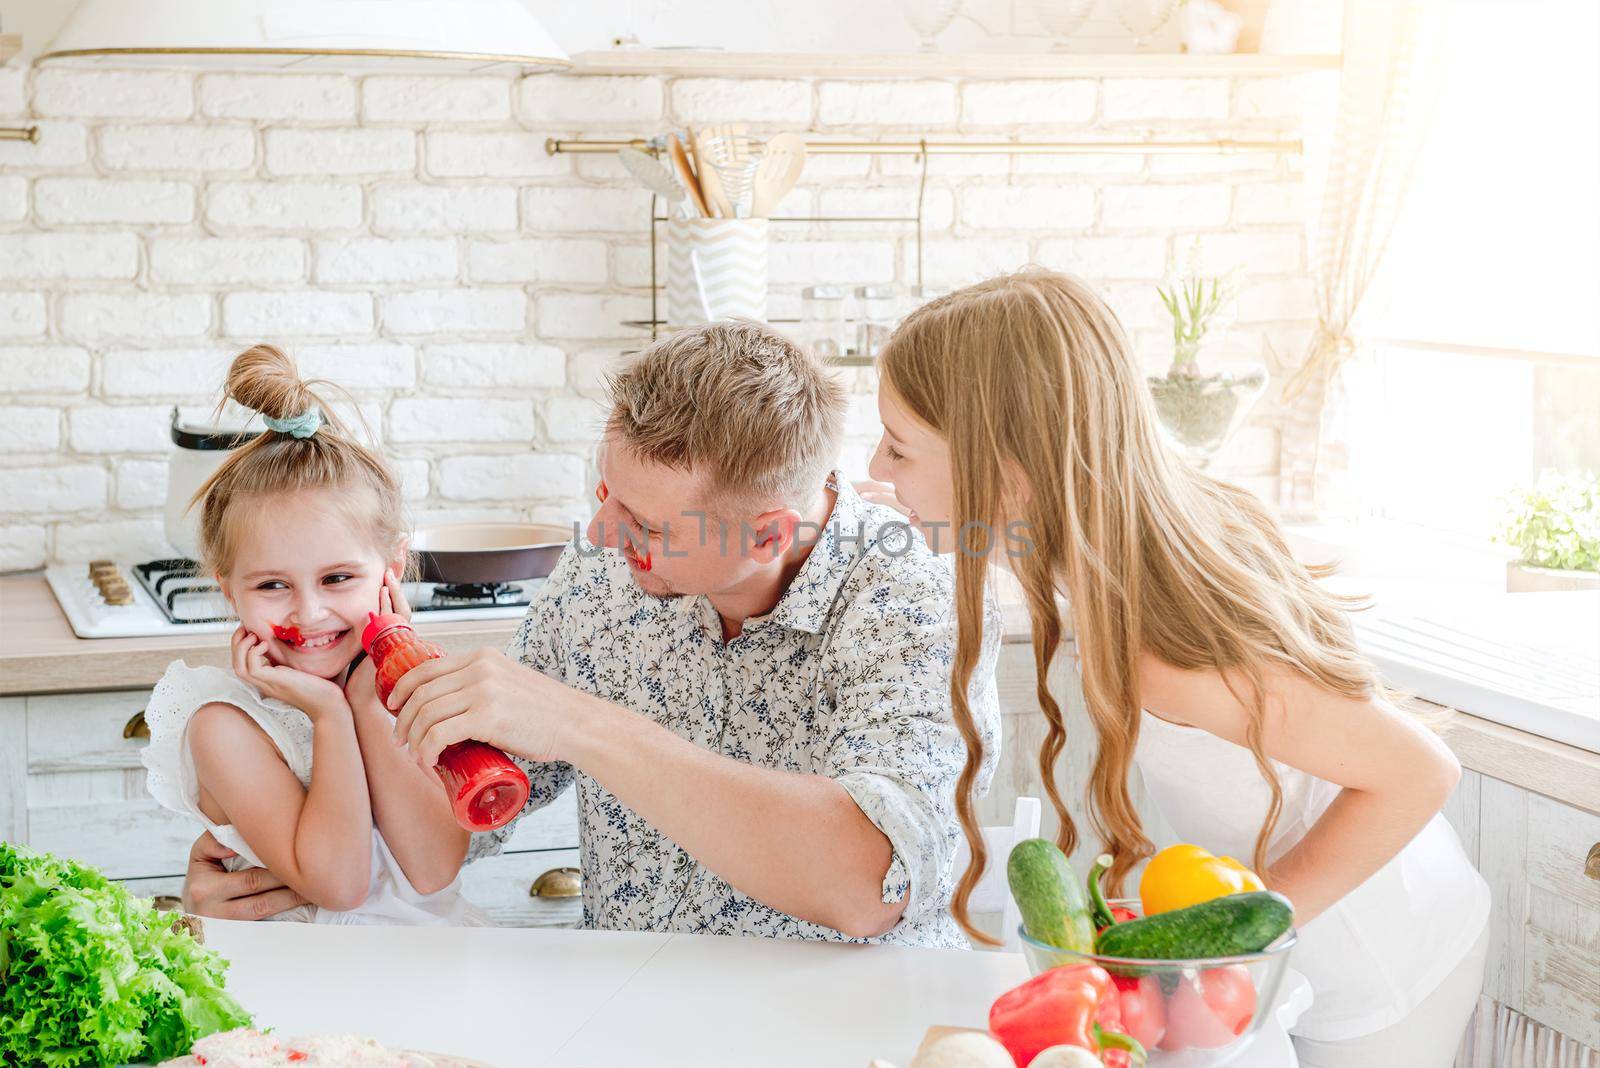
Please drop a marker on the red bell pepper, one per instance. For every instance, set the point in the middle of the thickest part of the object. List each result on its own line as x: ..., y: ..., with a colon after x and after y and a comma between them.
x: 1074, y: 1005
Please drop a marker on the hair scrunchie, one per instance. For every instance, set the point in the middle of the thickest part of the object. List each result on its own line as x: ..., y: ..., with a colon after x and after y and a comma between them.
x: 300, y: 426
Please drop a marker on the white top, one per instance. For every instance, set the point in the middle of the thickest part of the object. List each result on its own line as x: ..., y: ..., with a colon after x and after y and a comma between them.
x: 182, y: 691
x: 1374, y: 955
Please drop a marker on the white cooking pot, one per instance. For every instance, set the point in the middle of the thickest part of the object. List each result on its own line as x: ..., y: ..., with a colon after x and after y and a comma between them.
x: 197, y: 451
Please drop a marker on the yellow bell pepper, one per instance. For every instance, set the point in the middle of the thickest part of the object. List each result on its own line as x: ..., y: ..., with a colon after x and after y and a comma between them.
x: 1184, y: 875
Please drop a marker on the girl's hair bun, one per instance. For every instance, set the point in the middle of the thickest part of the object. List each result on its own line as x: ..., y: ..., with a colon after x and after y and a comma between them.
x: 265, y: 379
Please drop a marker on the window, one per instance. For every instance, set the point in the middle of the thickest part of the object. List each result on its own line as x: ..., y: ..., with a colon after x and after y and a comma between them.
x: 1487, y: 309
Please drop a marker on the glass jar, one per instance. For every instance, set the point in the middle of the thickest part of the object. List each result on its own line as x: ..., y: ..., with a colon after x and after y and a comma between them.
x: 876, y: 307
x: 920, y: 295
x: 822, y: 322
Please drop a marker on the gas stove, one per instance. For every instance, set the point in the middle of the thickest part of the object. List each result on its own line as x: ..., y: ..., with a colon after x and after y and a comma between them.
x: 111, y: 600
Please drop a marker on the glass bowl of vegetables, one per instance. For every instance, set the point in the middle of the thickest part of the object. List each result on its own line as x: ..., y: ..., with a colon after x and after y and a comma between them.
x: 1201, y: 1012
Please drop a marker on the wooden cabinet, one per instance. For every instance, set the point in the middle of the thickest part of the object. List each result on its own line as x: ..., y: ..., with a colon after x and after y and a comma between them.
x: 1544, y: 948
x: 71, y: 784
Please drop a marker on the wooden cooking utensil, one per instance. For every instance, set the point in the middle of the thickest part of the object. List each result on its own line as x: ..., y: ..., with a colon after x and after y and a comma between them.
x: 686, y: 175
x: 715, y: 197
x: 779, y: 171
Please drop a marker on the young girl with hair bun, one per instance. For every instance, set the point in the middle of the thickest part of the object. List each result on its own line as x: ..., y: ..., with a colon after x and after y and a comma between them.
x: 303, y: 529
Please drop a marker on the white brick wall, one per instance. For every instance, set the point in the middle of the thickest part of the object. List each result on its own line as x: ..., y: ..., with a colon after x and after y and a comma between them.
x: 986, y: 105
x: 113, y: 94
x: 292, y: 98
x: 1164, y: 99
x: 413, y: 100
x: 13, y: 198
x: 219, y: 260
x: 168, y: 148
x: 455, y: 154
x: 494, y: 365
x: 91, y: 200
x: 46, y: 257
x: 283, y: 206
x: 257, y: 315
x: 421, y: 209
x: 372, y: 259
x: 892, y: 103
x: 754, y: 100
x: 589, y: 101
x: 309, y: 152
x: 411, y: 240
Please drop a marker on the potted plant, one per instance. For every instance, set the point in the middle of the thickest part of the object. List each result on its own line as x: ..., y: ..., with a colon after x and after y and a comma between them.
x: 1555, y: 528
x: 1199, y: 411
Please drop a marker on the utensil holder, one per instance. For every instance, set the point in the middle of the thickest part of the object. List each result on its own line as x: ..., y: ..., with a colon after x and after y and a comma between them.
x: 716, y: 269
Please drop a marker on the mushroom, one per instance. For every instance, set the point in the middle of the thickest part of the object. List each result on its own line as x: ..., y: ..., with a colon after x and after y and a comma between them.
x: 965, y: 1049
x: 1065, y: 1057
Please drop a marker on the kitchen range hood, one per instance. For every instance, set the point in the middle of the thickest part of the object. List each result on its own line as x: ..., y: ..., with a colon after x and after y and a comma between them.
x: 408, y: 35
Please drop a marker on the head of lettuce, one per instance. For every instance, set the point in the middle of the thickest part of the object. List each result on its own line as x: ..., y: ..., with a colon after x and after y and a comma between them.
x: 90, y: 974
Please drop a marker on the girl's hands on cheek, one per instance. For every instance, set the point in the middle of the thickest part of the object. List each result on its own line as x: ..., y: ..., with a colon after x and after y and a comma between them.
x: 314, y: 696
x: 392, y: 596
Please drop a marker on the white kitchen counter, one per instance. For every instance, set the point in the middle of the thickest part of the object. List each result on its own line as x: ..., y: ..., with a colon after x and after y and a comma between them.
x: 597, y: 999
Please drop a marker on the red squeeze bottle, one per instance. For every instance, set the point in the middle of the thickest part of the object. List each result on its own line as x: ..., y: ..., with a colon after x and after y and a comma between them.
x: 486, y: 789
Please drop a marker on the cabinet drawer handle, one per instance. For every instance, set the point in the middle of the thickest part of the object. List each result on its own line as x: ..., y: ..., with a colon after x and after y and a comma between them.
x: 136, y: 727
x: 1591, y: 866
x: 557, y: 882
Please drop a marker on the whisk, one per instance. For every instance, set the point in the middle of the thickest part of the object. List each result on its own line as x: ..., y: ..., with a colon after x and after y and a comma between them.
x: 734, y: 157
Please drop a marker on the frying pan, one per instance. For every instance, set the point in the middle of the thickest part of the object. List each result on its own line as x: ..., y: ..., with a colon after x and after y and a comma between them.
x: 488, y: 552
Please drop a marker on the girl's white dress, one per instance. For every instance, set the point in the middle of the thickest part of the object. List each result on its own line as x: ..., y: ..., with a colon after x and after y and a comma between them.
x: 182, y: 691
x: 1377, y: 953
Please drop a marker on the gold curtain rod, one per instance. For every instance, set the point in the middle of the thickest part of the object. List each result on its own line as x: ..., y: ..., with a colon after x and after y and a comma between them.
x: 556, y: 146
x: 29, y: 134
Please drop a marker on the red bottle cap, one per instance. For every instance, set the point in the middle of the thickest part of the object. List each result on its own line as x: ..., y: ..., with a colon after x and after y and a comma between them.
x: 377, y: 623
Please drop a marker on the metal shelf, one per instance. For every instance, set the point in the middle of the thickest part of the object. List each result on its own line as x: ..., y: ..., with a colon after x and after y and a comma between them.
x: 923, y: 149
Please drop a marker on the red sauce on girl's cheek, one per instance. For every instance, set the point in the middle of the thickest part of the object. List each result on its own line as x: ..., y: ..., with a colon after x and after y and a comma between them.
x: 290, y: 634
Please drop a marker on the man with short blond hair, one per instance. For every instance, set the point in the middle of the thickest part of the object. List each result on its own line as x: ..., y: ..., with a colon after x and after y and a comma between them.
x: 743, y: 667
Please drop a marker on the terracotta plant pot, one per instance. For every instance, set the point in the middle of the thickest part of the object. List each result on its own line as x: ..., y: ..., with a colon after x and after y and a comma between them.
x: 1525, y: 578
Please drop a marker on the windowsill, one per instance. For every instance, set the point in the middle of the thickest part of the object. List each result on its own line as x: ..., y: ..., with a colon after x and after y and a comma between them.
x: 1403, y: 566
x: 1411, y: 572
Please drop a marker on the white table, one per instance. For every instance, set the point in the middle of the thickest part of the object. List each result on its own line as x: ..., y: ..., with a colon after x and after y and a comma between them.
x: 520, y: 998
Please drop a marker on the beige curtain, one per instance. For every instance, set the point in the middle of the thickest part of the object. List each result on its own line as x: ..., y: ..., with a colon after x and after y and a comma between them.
x: 1391, y: 70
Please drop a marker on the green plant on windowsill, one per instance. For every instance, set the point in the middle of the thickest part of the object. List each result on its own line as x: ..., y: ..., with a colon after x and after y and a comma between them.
x: 1555, y: 527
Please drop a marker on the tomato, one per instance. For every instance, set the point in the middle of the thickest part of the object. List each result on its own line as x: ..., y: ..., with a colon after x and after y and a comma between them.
x: 1211, y: 1010
x: 1144, y: 1010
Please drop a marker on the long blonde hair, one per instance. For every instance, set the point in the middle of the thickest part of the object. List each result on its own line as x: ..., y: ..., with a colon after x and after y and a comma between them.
x: 266, y: 380
x: 1031, y: 380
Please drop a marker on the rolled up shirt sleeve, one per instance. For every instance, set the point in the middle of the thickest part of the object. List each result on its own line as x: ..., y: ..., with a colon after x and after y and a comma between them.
x: 537, y: 644
x: 894, y: 745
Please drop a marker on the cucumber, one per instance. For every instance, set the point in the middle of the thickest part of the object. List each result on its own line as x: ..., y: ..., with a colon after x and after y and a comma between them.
x: 1049, y: 896
x: 1223, y: 927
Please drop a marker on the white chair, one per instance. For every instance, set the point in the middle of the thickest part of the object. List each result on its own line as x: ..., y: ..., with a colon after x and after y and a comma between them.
x: 993, y: 893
